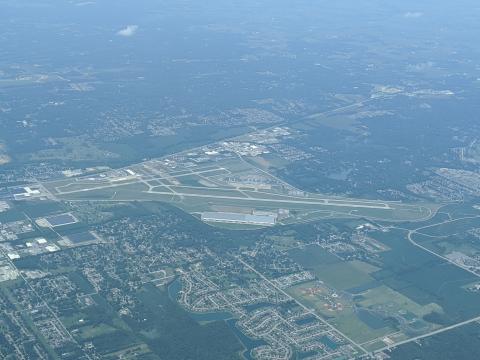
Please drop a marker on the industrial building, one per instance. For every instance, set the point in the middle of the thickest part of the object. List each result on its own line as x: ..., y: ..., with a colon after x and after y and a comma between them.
x: 239, y: 218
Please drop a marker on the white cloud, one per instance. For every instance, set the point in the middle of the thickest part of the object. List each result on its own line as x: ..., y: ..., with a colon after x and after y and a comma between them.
x: 413, y: 15
x: 421, y: 67
x: 85, y: 3
x: 130, y: 30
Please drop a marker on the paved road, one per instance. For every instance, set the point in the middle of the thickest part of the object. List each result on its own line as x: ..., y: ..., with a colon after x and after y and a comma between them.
x: 414, y: 243
x: 438, y: 331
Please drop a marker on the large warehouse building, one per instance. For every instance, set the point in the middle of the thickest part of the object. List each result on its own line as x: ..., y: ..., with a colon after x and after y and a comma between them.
x: 239, y: 218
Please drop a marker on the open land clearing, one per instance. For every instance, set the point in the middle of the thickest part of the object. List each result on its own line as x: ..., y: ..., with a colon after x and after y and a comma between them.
x: 407, y: 295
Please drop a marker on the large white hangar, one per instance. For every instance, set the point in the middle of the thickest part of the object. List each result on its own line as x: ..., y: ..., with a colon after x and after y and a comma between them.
x: 239, y: 218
